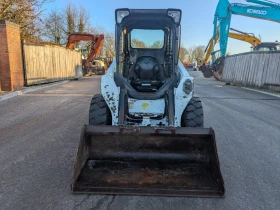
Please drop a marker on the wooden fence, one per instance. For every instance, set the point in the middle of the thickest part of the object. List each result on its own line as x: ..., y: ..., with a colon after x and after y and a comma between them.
x: 50, y: 63
x: 255, y: 69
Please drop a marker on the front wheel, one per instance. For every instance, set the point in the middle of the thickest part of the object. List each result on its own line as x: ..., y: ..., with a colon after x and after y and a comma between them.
x: 99, y: 112
x: 193, y: 114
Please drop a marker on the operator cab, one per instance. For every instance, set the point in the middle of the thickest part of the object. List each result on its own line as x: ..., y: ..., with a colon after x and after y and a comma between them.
x: 268, y: 46
x: 147, y: 49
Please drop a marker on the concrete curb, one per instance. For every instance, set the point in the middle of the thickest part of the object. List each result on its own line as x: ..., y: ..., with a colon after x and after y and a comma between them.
x: 29, y: 89
x: 263, y: 92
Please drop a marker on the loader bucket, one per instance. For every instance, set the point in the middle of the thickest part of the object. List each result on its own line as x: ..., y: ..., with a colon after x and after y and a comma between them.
x: 148, y: 161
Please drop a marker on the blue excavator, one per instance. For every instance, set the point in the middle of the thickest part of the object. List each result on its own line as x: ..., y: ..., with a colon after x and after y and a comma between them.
x: 262, y: 9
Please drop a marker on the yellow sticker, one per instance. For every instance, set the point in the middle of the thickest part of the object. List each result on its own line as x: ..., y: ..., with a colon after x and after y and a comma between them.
x: 145, y: 106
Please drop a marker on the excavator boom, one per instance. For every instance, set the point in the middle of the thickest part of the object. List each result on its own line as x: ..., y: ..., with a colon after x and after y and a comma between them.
x: 209, y: 49
x: 265, y: 3
x: 242, y: 36
x: 96, y: 43
x: 74, y: 39
x: 264, y: 10
x: 246, y: 37
x: 217, y: 63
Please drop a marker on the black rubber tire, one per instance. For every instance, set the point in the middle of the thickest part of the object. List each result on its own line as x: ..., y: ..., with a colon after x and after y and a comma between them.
x: 193, y: 114
x: 99, y: 112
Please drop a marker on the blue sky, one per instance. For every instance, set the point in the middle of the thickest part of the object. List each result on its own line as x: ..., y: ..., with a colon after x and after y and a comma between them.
x: 197, y: 27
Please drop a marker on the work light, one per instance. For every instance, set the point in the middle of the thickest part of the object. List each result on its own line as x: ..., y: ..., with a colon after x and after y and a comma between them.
x: 188, y: 86
x: 121, y: 14
x: 175, y: 14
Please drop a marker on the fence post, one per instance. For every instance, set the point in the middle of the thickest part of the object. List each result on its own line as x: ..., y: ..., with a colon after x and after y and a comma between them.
x: 23, y: 63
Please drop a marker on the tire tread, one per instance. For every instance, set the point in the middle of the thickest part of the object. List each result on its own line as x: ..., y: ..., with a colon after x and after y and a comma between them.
x: 193, y: 114
x: 99, y: 113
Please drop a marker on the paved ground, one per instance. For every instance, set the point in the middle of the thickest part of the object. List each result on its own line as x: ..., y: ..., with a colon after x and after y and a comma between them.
x: 39, y: 135
x: 2, y: 93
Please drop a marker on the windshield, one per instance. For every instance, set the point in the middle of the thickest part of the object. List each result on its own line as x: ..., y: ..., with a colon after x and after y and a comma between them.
x: 269, y: 48
x: 141, y: 38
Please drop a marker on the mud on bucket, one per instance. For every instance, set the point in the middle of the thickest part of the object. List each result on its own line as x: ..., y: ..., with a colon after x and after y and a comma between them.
x: 148, y: 161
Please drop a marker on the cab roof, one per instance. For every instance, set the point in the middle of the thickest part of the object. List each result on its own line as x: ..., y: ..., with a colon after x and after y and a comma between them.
x: 124, y: 13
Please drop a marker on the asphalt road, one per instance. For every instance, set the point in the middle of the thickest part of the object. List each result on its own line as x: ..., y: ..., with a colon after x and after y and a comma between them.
x: 39, y: 135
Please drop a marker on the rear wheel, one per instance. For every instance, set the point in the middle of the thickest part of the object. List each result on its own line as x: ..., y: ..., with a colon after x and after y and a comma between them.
x: 99, y: 112
x: 193, y: 114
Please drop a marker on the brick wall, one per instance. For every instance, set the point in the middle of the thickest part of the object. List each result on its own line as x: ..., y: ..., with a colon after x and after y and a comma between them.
x: 11, y: 72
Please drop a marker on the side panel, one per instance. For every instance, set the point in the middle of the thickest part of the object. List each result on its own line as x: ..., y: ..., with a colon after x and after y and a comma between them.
x: 181, y: 98
x: 111, y: 92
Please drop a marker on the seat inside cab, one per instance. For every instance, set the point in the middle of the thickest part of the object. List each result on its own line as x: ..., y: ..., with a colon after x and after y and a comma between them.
x: 147, y: 57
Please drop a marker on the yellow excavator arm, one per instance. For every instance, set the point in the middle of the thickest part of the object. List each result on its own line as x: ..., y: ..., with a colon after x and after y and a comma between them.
x: 209, y: 49
x: 250, y: 38
x: 254, y: 41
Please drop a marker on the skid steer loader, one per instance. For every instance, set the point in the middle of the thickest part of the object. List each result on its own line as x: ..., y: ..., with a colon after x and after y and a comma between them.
x: 145, y: 134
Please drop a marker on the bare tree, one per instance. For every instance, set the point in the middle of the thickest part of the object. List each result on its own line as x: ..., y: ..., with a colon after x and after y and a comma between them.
x: 157, y: 45
x: 137, y: 43
x: 72, y: 19
x: 190, y: 55
x: 183, y: 54
x: 81, y: 21
x: 53, y: 29
x: 25, y: 13
x: 198, y: 53
x: 109, y: 44
x: 76, y: 19
x: 195, y: 54
x: 84, y: 23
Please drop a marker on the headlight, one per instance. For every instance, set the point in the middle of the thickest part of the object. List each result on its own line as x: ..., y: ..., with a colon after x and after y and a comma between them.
x: 188, y: 86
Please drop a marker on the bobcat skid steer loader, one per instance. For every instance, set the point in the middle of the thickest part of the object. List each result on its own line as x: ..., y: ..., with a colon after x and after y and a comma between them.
x: 145, y: 134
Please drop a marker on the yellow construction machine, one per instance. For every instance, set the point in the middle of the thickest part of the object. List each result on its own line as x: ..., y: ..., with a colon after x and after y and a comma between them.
x: 242, y: 36
x: 209, y: 51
